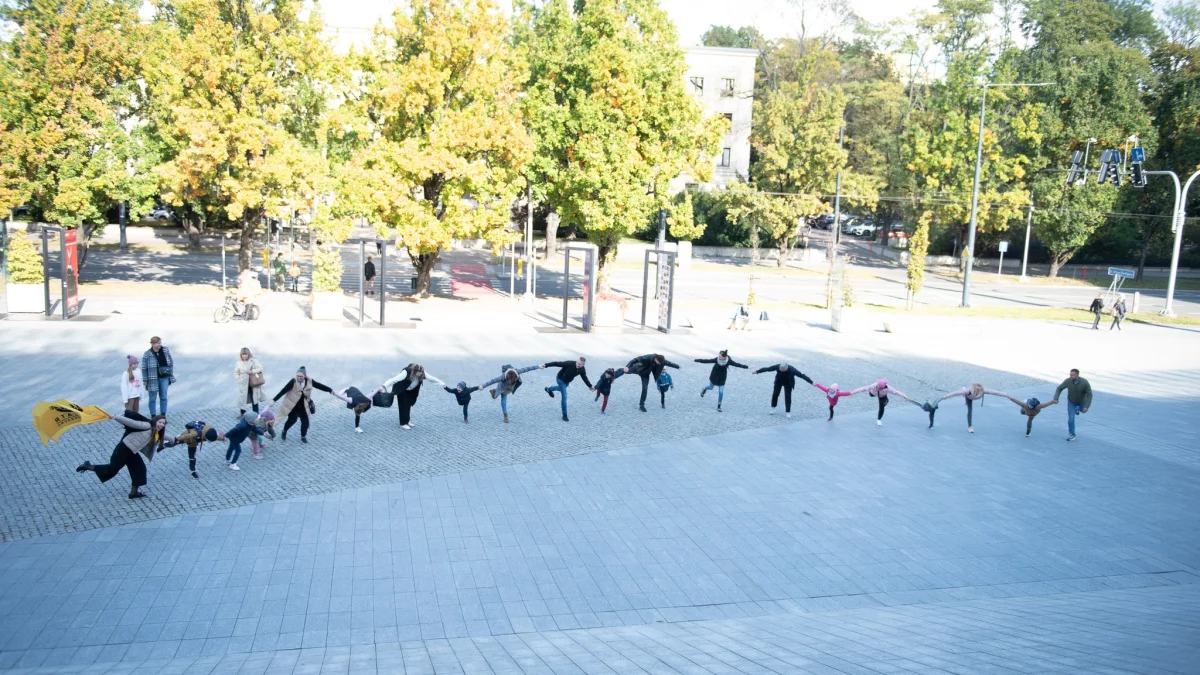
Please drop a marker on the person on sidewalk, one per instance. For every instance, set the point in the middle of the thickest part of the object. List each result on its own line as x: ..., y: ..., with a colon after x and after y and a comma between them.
x: 1030, y: 410
x: 294, y: 275
x: 567, y: 372
x: 717, y: 376
x: 645, y: 367
x: 1079, y: 399
x: 665, y: 384
x: 158, y: 372
x: 406, y: 385
x: 785, y: 381
x: 142, y: 436
x: 369, y: 275
x: 507, y: 384
x: 881, y: 391
x: 604, y: 386
x: 1097, y: 308
x: 249, y: 380
x: 194, y: 436
x: 280, y: 272
x: 297, y: 403
x: 131, y: 384
x: 1118, y: 312
x: 832, y: 395
x: 249, y: 426
x: 462, y: 394
x: 975, y: 392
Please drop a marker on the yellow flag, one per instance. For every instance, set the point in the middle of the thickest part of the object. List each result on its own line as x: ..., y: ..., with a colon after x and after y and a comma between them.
x: 53, y: 419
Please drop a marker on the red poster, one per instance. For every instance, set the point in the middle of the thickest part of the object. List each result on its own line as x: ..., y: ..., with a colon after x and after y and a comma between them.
x: 71, y: 259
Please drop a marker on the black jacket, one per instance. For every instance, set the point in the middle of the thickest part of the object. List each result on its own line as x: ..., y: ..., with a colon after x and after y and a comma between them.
x: 787, y: 378
x: 292, y: 383
x: 463, y: 397
x: 369, y: 270
x: 357, y: 398
x: 719, y: 372
x: 1096, y: 307
x: 567, y: 371
x: 644, y: 364
x: 604, y: 384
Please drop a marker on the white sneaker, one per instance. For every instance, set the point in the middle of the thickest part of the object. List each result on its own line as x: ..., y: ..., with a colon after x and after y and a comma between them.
x: 234, y: 467
x: 406, y: 427
x: 772, y: 412
x: 358, y: 430
x: 878, y: 423
x: 789, y: 416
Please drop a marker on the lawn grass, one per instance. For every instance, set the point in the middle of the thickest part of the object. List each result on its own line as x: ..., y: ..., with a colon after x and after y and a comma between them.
x: 1041, y: 313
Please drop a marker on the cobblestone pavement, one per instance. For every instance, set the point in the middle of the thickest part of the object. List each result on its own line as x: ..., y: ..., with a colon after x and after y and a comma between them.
x: 813, y: 547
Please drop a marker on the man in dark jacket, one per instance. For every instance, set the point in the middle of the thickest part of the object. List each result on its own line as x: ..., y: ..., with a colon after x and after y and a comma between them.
x: 567, y: 371
x: 1097, y: 308
x: 718, y: 374
x: 645, y: 367
x: 369, y: 276
x: 785, y: 379
x: 1079, y: 398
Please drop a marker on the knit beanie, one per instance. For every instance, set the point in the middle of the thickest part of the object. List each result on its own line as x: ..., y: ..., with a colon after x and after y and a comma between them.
x: 266, y: 417
x: 302, y: 371
x: 463, y: 385
x: 132, y: 359
x: 210, y: 435
x: 882, y: 384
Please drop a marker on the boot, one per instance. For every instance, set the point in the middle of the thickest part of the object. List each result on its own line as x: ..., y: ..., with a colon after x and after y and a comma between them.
x: 86, y: 466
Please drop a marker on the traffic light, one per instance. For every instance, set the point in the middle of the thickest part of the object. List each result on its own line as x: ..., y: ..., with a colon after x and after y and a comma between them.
x: 1137, y: 175
x: 1110, y: 168
x: 1077, y: 173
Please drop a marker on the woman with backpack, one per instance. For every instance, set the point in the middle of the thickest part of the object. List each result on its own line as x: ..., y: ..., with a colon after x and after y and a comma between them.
x: 141, y: 437
x: 406, y: 386
x: 718, y: 375
x: 507, y: 384
x: 297, y: 402
x: 970, y: 394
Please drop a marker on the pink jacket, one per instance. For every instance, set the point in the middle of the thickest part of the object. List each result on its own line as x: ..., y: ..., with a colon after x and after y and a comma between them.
x: 831, y: 396
x: 877, y: 391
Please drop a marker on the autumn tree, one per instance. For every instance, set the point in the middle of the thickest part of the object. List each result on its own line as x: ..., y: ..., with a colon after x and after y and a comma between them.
x: 229, y: 83
x: 611, y: 120
x: 436, y: 98
x: 67, y: 73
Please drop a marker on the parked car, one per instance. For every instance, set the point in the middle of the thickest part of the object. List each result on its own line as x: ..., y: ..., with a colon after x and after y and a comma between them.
x: 862, y: 229
x: 160, y: 213
x: 823, y: 221
x: 849, y: 222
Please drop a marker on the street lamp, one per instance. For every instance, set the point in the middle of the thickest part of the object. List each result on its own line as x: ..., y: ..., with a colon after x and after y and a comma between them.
x: 1086, y: 150
x: 966, y: 292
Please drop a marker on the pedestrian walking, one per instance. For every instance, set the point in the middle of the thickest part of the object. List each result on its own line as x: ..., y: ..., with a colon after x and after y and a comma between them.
x: 881, y: 391
x: 294, y: 275
x: 131, y: 384
x: 604, y: 386
x: 785, y: 381
x: 1118, y: 313
x: 645, y: 367
x: 1097, y: 308
x: 249, y: 426
x: 832, y: 395
x: 250, y: 380
x: 665, y: 384
x: 462, y: 394
x: 369, y: 275
x: 280, y: 272
x: 567, y: 372
x: 970, y: 394
x: 407, y: 387
x: 141, y: 437
x: 158, y: 373
x: 358, y: 402
x: 194, y: 436
x: 297, y: 405
x: 507, y: 384
x: 1079, y: 399
x: 719, y: 374
x: 1030, y: 409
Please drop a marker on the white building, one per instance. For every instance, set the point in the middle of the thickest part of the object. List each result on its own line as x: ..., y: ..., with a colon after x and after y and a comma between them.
x: 722, y: 80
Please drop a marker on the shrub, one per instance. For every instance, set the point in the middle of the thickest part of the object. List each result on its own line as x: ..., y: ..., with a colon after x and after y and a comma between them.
x: 24, y: 261
x: 327, y: 269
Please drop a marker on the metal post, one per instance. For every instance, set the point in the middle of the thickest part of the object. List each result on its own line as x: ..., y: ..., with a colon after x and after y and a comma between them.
x: 566, y: 283
x: 382, y: 280
x: 362, y: 283
x: 1180, y: 216
x: 645, y: 285
x: 529, y: 281
x: 662, y: 228
x: 62, y: 277
x: 512, y: 270
x: 837, y: 222
x: 121, y: 224
x: 223, y: 260
x: 1000, y: 269
x: 46, y: 270
x: 966, y: 292
x: 670, y: 290
x: 1028, y: 229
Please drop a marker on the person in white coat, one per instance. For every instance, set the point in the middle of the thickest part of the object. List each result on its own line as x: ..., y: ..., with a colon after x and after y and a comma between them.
x: 131, y: 384
x: 248, y: 373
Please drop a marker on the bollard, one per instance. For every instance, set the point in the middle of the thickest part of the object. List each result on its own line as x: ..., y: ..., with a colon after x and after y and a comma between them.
x: 1137, y: 300
x: 1085, y: 272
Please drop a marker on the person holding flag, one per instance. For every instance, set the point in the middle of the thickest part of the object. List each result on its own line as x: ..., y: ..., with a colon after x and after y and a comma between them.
x: 144, y: 436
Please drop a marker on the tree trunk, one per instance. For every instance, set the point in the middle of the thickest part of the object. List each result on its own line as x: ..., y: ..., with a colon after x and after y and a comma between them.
x: 193, y: 231
x: 1142, y: 259
x: 424, y: 264
x: 1057, y: 260
x: 606, y: 250
x: 246, y: 242
x: 552, y: 221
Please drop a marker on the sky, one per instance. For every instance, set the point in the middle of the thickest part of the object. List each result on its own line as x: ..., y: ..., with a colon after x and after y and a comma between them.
x: 353, y: 19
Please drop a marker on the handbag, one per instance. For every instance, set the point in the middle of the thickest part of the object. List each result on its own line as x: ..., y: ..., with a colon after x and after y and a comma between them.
x: 383, y: 399
x: 257, y: 380
x: 312, y: 407
x: 166, y: 372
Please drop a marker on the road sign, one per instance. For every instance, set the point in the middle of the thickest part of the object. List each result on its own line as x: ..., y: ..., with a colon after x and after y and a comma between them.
x: 1004, y: 247
x: 1121, y: 272
x: 1137, y: 155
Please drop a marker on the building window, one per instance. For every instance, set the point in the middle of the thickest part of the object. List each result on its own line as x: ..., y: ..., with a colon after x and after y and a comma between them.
x: 725, y: 156
x: 698, y: 85
x: 728, y: 118
x: 727, y: 86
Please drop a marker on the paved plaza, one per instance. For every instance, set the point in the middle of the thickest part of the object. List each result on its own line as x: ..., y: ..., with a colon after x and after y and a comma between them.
x: 675, y: 541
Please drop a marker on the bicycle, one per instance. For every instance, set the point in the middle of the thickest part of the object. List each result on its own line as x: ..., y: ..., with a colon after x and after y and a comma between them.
x: 235, y: 309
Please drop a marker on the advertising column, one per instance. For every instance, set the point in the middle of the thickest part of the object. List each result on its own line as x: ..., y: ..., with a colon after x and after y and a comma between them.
x: 71, y: 273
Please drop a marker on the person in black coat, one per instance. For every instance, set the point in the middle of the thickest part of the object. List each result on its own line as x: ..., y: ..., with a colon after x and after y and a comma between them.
x: 645, y: 367
x: 604, y: 386
x: 567, y: 372
x: 785, y: 379
x: 1097, y: 308
x: 718, y: 374
x: 462, y: 394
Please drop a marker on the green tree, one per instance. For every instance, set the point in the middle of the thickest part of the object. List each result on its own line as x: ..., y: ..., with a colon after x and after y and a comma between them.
x: 437, y: 91
x: 230, y: 80
x: 611, y: 121
x: 746, y: 37
x: 67, y: 69
x: 682, y: 219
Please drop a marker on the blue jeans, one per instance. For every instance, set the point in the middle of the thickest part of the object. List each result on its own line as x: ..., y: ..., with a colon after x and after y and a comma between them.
x: 504, y: 403
x: 160, y: 395
x: 1072, y: 410
x: 720, y: 391
x: 560, y: 386
x: 234, y: 451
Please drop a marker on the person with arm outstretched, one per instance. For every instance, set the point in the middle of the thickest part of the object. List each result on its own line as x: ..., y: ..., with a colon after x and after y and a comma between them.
x: 832, y: 395
x: 719, y: 374
x: 645, y: 367
x: 785, y: 381
x: 406, y: 386
x: 567, y: 372
x: 881, y: 391
x: 507, y: 384
x: 972, y: 393
x: 1030, y: 409
x: 462, y: 394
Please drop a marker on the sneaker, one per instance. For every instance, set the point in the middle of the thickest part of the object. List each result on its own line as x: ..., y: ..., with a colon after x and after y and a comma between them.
x: 195, y: 475
x: 1026, y: 434
x: 718, y: 407
x: 789, y: 416
x: 878, y: 423
x: 1071, y: 437
x: 406, y: 427
x: 86, y: 466
x: 258, y: 456
x: 506, y: 418
x: 358, y: 430
x: 772, y: 412
x: 703, y: 391
x: 464, y: 420
x: 664, y: 405
x: 971, y: 430
x: 234, y: 467
x: 283, y: 436
x: 565, y: 418
x: 603, y: 412
x: 549, y: 393
x: 642, y: 408
x: 303, y: 439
